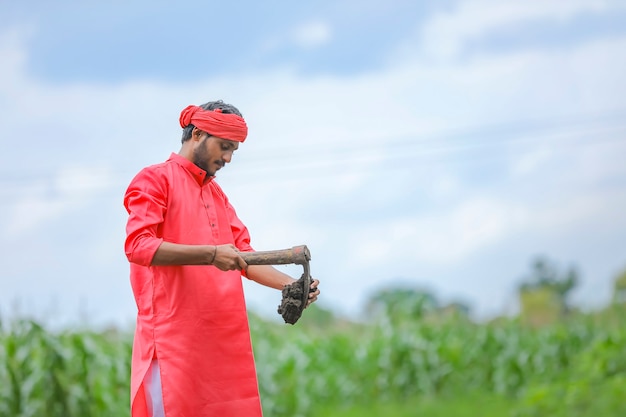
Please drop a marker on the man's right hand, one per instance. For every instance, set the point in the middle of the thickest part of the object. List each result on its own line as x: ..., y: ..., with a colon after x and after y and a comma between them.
x: 227, y: 258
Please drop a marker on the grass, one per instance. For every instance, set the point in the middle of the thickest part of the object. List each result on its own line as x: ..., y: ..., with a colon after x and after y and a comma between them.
x: 478, y: 404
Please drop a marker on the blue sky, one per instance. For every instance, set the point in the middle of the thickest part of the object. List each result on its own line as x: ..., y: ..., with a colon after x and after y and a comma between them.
x: 436, y: 144
x: 113, y: 41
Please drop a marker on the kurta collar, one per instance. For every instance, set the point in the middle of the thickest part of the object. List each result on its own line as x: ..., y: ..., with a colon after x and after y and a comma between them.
x: 196, y: 172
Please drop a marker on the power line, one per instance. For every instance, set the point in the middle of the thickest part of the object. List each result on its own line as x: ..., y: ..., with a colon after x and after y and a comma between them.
x: 399, y: 149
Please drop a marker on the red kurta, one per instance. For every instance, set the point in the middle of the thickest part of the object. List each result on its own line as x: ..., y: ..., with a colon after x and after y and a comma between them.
x: 192, y: 318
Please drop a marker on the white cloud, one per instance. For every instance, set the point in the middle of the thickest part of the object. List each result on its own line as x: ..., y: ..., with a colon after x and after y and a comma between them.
x: 47, y: 200
x: 531, y: 160
x: 335, y: 119
x: 445, y: 237
x: 32, y: 209
x: 307, y: 35
x: 312, y: 34
x: 340, y: 143
x: 81, y: 181
x: 14, y: 54
x: 446, y: 34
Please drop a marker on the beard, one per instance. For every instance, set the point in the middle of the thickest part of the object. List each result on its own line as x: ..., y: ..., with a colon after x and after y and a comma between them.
x: 201, y: 158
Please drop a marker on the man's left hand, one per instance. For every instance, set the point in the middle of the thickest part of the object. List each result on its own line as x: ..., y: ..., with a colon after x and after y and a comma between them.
x: 314, y: 291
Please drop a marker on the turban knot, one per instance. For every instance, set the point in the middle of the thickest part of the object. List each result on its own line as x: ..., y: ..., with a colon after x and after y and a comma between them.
x: 223, y: 125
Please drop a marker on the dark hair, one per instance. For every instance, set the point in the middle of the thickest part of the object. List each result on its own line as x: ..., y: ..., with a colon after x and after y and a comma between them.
x: 211, y: 105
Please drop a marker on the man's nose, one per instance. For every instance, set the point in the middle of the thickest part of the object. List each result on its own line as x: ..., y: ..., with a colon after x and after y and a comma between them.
x: 227, y: 156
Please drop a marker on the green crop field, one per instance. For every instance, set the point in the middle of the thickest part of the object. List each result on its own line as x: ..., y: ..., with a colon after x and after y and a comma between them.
x: 405, y: 367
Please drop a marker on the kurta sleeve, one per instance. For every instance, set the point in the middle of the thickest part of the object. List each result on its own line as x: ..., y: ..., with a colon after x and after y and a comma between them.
x: 240, y: 231
x: 146, y: 203
x: 241, y: 236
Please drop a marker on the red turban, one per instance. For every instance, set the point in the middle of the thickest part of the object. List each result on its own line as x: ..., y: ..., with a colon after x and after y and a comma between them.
x: 222, y: 125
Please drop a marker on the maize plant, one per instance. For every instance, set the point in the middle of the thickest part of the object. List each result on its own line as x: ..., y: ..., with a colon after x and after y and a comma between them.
x: 577, y: 364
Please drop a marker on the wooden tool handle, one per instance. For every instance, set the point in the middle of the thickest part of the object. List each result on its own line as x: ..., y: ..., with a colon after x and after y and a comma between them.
x: 297, y: 255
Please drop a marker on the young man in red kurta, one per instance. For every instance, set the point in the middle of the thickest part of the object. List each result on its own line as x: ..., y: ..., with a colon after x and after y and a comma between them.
x: 192, y: 354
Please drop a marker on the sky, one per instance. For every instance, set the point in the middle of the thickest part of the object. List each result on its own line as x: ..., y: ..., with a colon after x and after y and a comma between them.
x: 441, y: 145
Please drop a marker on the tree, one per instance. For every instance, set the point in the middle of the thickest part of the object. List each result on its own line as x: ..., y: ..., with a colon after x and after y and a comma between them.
x: 619, y: 289
x: 545, y: 291
x: 401, y: 303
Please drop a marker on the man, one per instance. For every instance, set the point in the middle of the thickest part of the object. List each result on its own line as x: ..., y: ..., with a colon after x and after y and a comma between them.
x: 192, y: 354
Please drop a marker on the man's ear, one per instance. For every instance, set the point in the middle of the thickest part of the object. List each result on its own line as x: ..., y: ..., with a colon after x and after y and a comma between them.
x: 196, y: 134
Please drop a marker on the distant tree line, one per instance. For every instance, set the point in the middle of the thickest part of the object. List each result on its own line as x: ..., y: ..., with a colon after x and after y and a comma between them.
x: 544, y: 295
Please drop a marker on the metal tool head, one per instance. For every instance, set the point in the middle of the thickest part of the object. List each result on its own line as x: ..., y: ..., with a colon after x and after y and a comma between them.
x: 295, y: 295
x: 302, y: 256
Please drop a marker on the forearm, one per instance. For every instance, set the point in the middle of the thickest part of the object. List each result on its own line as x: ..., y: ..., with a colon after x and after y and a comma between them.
x: 177, y: 254
x: 268, y: 276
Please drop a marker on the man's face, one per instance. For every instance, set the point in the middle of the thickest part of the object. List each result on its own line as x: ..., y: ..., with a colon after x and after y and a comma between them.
x: 212, y: 153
